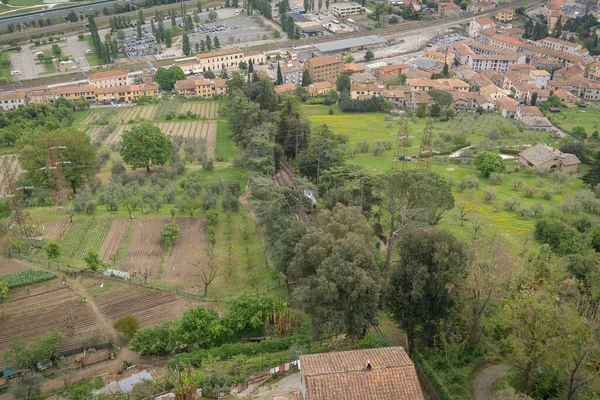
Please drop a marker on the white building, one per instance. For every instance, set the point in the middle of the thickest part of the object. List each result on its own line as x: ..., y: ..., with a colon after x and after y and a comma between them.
x: 477, y: 25
x: 541, y: 78
x: 344, y: 9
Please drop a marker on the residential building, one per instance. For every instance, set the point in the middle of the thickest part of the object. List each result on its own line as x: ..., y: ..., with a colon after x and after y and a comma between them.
x: 400, y: 96
x: 482, y: 57
x: 507, y: 107
x: 552, y: 11
x: 420, y: 98
x: 442, y: 57
x: 292, y: 72
x: 448, y: 9
x: 493, y: 92
x: 285, y: 88
x: 505, y: 42
x: 366, y: 91
x: 320, y: 88
x: 590, y: 91
x: 352, y: 68
x: 257, y: 57
x: 592, y: 71
x: 219, y: 59
x: 574, y: 70
x: 527, y: 111
x: 126, y: 94
x: 505, y: 15
x: 541, y: 78
x: 190, y: 67
x: 221, y: 87
x: 73, y: 93
x: 109, y: 79
x: 425, y: 64
x: 477, y: 25
x: 323, y: 68
x: 12, y: 100
x: 561, y: 45
x: 547, y: 158
x: 477, y: 7
x: 372, y: 374
x: 572, y: 85
x: 446, y: 85
x: 199, y: 87
x: 538, y: 124
x: 41, y: 96
x: 344, y: 9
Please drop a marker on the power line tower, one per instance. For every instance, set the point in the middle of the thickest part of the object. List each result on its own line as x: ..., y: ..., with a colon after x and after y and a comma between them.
x: 14, y: 195
x: 426, y: 153
x: 403, y: 142
x: 60, y: 191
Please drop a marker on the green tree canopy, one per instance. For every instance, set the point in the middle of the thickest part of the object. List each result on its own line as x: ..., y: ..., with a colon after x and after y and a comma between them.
x: 440, y: 98
x: 488, y: 162
x: 423, y: 286
x: 145, y: 145
x: 26, y: 355
x: 338, y: 274
x: 325, y: 150
x: 166, y: 78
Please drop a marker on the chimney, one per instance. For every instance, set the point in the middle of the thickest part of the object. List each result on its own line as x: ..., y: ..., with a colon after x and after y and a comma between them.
x: 369, y: 366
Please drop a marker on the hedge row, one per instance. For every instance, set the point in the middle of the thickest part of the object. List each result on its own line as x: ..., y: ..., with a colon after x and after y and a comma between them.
x: 438, y: 385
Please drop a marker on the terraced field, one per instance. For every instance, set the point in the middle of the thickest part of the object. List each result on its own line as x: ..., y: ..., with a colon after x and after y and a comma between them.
x: 85, y: 236
x: 114, y: 239
x: 135, y: 113
x: 146, y: 246
x: 55, y: 229
x: 202, y: 110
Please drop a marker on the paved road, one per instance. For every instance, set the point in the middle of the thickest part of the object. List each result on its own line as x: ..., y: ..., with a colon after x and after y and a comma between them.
x: 28, y: 63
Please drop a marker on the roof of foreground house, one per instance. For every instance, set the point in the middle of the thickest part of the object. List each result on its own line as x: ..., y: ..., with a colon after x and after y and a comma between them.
x: 540, y: 154
x: 378, y: 374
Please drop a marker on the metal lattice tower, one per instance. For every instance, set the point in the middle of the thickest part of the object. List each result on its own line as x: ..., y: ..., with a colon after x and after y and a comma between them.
x: 14, y: 194
x: 60, y: 191
x: 403, y: 141
x: 426, y: 152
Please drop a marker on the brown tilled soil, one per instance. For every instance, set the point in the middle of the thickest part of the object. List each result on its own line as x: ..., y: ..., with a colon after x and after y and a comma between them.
x: 12, y: 266
x: 146, y: 247
x: 149, y: 306
x: 114, y: 239
x: 55, y: 229
x: 185, y: 250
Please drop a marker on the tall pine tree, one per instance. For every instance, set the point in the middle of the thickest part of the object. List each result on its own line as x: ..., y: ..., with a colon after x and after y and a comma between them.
x: 279, y: 75
x: 186, y: 45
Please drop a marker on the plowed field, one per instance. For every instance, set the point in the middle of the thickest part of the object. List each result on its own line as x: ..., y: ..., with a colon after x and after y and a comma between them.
x: 11, y: 266
x: 114, y: 239
x: 135, y: 113
x: 186, y: 249
x: 146, y: 246
x: 202, y: 110
x: 55, y: 229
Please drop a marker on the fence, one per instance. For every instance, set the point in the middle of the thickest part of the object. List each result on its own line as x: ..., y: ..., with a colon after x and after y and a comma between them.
x: 161, y: 286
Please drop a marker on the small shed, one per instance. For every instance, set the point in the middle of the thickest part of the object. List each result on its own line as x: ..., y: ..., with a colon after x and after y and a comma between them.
x: 554, y: 109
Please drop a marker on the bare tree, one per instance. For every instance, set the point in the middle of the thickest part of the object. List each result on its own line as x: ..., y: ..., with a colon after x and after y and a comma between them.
x: 464, y: 208
x: 145, y: 273
x: 209, y: 268
x: 477, y: 223
x: 70, y: 211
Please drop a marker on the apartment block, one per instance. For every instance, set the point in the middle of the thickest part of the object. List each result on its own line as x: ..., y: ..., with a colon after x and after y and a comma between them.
x: 505, y: 15
x: 220, y: 59
x: 343, y: 9
x: 323, y: 68
x: 109, y: 79
x: 292, y: 72
x: 12, y: 100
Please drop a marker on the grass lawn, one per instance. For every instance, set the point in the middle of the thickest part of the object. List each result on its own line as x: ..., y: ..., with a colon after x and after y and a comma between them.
x: 5, y: 72
x: 25, y: 3
x: 92, y: 59
x: 514, y: 228
x: 569, y: 118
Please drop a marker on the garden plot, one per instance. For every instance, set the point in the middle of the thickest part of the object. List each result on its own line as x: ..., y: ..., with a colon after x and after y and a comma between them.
x: 84, y: 236
x: 44, y: 308
x: 114, y: 240
x: 55, y: 229
x: 186, y: 250
x: 135, y: 113
x: 193, y: 130
x: 149, y: 306
x: 12, y: 266
x: 202, y: 110
x: 146, y: 247
x: 92, y: 117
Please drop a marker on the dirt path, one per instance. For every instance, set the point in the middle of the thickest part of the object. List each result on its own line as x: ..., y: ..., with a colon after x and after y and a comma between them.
x: 285, y: 386
x: 486, y: 378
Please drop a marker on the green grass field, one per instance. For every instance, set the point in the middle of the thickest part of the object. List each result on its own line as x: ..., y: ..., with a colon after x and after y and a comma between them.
x: 5, y: 72
x: 514, y: 228
x: 569, y: 118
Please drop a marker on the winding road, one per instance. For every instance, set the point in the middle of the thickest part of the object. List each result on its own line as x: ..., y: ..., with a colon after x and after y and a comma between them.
x: 486, y: 378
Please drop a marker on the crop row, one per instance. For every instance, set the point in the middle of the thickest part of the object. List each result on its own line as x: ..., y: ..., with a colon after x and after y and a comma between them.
x: 85, y: 236
x: 26, y: 277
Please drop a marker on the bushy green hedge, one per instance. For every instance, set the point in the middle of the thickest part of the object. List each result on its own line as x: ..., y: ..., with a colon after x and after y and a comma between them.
x: 228, y: 351
x: 438, y: 385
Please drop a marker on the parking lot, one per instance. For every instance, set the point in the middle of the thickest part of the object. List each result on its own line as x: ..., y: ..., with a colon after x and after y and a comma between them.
x: 233, y: 30
x: 132, y: 46
x: 446, y: 39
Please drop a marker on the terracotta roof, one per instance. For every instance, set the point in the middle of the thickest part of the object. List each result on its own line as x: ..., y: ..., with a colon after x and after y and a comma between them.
x: 540, y: 72
x: 507, y: 103
x: 323, y: 60
x: 220, y: 82
x: 75, y: 89
x: 107, y: 74
x: 485, y: 21
x: 19, y: 94
x: 218, y: 53
x: 285, y: 88
x: 378, y: 374
x: 531, y: 111
x: 536, y: 121
x: 421, y: 98
x: 508, y: 39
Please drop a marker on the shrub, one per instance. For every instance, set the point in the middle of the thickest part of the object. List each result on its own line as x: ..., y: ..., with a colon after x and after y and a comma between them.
x: 530, y: 191
x: 379, y: 146
x: 128, y: 325
x: 561, y: 237
x: 52, y: 250
x: 468, y: 182
x: 510, y: 204
x: 362, y: 146
x: 547, y: 194
x: 488, y: 162
x: 490, y: 194
x: 496, y: 178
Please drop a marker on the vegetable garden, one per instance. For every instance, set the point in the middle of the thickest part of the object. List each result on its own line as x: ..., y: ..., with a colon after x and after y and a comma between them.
x: 85, y: 236
x: 26, y: 277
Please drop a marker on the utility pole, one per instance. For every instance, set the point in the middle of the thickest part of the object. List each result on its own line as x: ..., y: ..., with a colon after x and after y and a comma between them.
x: 60, y: 191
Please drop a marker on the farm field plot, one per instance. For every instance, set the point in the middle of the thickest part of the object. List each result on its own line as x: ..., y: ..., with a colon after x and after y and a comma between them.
x: 136, y: 113
x: 186, y: 249
x: 569, y: 118
x: 113, y: 137
x: 193, y: 130
x: 85, y: 236
x: 92, y: 117
x: 33, y: 315
x: 146, y: 246
x: 12, y: 266
x: 11, y: 162
x: 149, y: 306
x: 202, y: 110
x: 114, y: 239
x: 55, y: 229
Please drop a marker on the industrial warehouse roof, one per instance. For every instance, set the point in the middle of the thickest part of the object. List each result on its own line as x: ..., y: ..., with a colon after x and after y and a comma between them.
x: 339, y: 45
